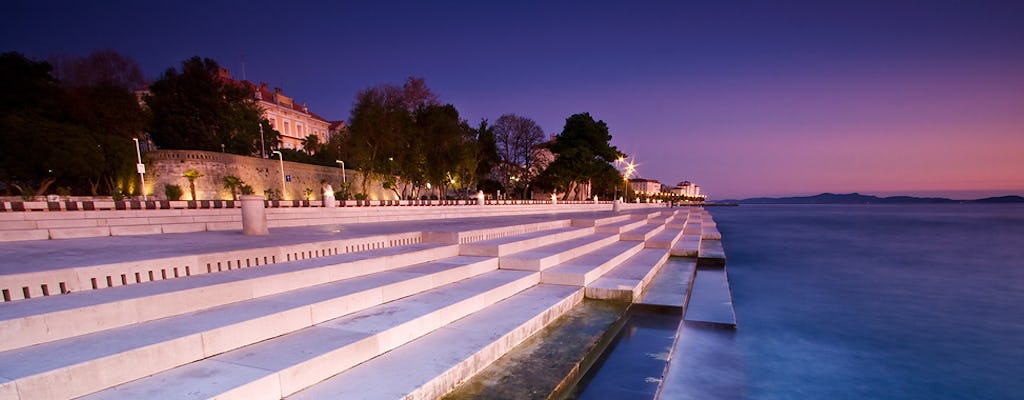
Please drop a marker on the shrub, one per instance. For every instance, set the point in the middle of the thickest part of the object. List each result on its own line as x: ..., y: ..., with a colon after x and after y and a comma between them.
x: 173, y: 192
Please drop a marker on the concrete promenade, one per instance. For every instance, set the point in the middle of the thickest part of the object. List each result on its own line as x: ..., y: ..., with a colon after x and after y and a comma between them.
x: 316, y: 309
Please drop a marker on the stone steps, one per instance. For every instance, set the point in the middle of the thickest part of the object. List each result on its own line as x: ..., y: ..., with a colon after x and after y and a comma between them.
x: 627, y: 281
x: 432, y: 365
x: 513, y: 244
x: 330, y: 325
x: 40, y: 320
x: 284, y: 365
x: 583, y: 270
x: 544, y: 257
x: 97, y: 361
x: 664, y: 239
x: 688, y: 245
x: 644, y: 232
x: 621, y: 226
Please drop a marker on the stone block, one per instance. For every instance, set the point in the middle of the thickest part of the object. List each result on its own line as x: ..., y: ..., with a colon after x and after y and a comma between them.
x: 130, y: 230
x: 184, y: 228
x: 66, y: 223
x: 72, y: 233
x: 28, y: 234
x: 17, y: 225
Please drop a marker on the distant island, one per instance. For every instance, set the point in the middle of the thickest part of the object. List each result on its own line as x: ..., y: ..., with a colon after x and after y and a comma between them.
x: 857, y: 198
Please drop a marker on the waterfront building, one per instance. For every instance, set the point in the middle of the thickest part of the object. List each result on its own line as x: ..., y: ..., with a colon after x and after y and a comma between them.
x: 294, y: 121
x: 645, y: 186
x: 687, y: 189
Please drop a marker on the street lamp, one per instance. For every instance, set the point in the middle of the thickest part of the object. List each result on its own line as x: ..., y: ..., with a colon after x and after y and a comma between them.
x: 342, y: 170
x: 263, y: 145
x: 141, y: 168
x: 280, y: 158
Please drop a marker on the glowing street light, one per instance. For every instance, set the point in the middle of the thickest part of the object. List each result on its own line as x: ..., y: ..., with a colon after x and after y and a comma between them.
x: 141, y: 168
x: 342, y: 170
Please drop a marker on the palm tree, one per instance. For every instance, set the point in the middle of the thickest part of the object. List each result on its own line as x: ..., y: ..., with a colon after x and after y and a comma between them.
x: 311, y: 144
x: 233, y: 183
x: 192, y: 175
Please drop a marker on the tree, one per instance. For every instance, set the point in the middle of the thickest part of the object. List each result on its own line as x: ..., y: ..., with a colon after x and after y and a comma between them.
x: 451, y: 148
x: 231, y: 182
x: 192, y: 175
x: 201, y: 108
x: 487, y: 156
x: 380, y: 142
x: 311, y: 144
x: 583, y: 154
x: 516, y: 137
x: 39, y: 142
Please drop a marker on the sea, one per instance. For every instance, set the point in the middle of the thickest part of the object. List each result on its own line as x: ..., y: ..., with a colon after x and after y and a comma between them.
x: 864, y: 302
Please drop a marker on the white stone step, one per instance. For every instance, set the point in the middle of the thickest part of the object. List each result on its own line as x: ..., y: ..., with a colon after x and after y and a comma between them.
x: 598, y: 221
x: 431, y: 366
x: 93, y: 362
x: 587, y: 268
x: 33, y: 321
x: 693, y: 227
x: 281, y: 366
x: 710, y: 232
x: 643, y: 232
x: 544, y: 257
x: 513, y: 244
x: 677, y: 222
x: 644, y: 214
x: 711, y: 253
x: 627, y: 281
x: 664, y: 239
x: 688, y: 245
x: 621, y: 226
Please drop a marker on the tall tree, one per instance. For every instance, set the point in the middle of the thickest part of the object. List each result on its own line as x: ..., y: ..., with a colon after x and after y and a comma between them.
x: 201, y: 108
x: 381, y: 142
x: 516, y: 137
x: 487, y: 157
x: 583, y: 153
x: 100, y: 93
x: 39, y: 142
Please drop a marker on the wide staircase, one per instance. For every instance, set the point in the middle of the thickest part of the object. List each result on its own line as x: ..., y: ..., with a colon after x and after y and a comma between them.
x: 401, y: 315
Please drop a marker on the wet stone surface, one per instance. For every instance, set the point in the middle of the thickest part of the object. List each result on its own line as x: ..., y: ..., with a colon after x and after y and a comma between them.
x: 537, y: 367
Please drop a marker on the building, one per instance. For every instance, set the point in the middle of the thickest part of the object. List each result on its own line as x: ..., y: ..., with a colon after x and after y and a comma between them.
x: 294, y: 121
x: 687, y: 189
x: 645, y: 186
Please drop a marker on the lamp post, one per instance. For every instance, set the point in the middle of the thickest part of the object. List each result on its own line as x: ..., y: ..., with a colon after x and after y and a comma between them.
x: 342, y: 170
x: 263, y: 145
x: 141, y: 168
x: 280, y: 158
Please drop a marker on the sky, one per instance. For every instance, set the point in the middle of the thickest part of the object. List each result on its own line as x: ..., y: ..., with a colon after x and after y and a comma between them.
x: 744, y: 98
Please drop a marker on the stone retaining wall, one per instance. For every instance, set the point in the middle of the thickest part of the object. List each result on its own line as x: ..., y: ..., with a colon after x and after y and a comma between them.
x: 167, y: 167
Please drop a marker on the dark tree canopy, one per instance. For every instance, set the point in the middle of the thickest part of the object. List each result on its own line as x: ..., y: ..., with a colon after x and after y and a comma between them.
x: 517, y: 138
x: 200, y: 108
x: 584, y: 153
x: 76, y: 134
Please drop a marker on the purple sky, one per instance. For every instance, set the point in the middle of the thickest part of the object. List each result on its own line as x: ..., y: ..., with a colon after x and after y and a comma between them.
x: 745, y: 98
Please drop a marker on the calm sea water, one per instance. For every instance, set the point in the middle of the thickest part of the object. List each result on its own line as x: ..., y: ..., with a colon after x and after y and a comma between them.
x: 865, y: 302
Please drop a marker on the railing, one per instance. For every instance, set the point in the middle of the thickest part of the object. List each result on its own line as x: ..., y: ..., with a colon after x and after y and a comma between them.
x: 93, y: 205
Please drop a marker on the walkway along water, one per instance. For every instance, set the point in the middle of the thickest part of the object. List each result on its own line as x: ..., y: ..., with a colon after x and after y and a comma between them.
x: 318, y: 310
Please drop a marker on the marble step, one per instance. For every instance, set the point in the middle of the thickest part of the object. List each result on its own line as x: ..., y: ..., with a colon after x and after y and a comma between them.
x: 627, y: 281
x: 432, y: 365
x: 711, y: 253
x: 281, y: 366
x: 671, y: 286
x: 688, y: 245
x: 514, y: 244
x: 621, y: 226
x: 664, y: 239
x: 710, y: 232
x: 33, y: 321
x: 544, y: 257
x: 97, y: 361
x: 643, y: 232
x: 598, y: 221
x: 587, y: 268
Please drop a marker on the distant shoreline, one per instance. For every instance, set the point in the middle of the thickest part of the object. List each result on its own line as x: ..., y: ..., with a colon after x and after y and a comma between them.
x: 857, y: 198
